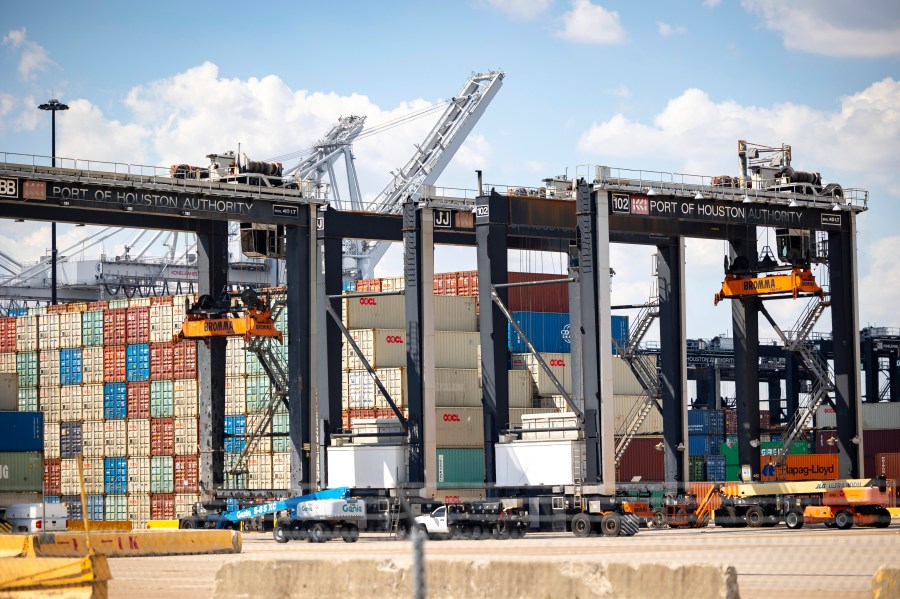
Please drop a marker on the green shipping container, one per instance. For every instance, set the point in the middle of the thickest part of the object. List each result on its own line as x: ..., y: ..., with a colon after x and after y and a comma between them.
x: 21, y: 471
x: 460, y: 468
x: 732, y: 473
x: 28, y: 399
x: 259, y: 391
x: 801, y: 447
x: 92, y: 328
x: 162, y: 403
x: 27, y: 369
x: 280, y: 424
x: 697, y: 468
x: 162, y: 474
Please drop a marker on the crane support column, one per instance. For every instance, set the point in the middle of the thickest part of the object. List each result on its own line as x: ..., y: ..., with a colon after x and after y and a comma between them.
x: 894, y: 380
x: 673, y: 360
x: 870, y: 359
x: 592, y: 217
x: 773, y: 384
x: 745, y: 322
x: 791, y: 385
x: 328, y: 339
x: 212, y: 261
x: 298, y: 333
x: 418, y: 270
x: 491, y: 224
x: 845, y: 332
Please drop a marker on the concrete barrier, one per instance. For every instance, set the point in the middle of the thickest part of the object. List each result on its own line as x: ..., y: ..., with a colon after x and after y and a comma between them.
x: 133, y: 544
x: 886, y: 583
x: 365, y: 579
x: 38, y: 577
x: 14, y: 545
x: 107, y: 525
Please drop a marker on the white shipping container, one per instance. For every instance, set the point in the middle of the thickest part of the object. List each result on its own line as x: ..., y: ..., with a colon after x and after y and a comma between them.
x: 254, y: 422
x: 393, y: 283
x: 539, y: 463
x: 459, y: 427
x: 451, y: 313
x: 93, y: 438
x: 70, y: 329
x: 515, y: 415
x: 186, y: 400
x: 235, y: 394
x: 259, y: 466
x: 186, y: 436
x: 92, y: 398
x: 138, y: 475
x: 875, y: 416
x: 50, y: 402
x: 68, y: 477
x: 115, y: 438
x: 51, y: 440
x: 235, y: 358
x: 139, y: 509
x: 560, y: 365
x: 26, y: 333
x: 48, y: 332
x: 70, y: 401
x: 627, y: 406
x: 48, y: 367
x: 373, y: 426
x: 8, y: 363
x: 367, y: 466
x: 138, y: 438
x: 139, y: 302
x: 184, y: 504
x: 115, y: 508
x: 92, y: 365
x: 559, y: 420
x: 386, y: 348
x: 93, y: 475
x: 162, y: 328
x: 624, y: 381
x: 521, y: 389
x: 281, y: 470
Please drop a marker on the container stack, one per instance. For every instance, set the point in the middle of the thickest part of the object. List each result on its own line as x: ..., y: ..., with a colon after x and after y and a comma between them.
x: 706, y: 433
x: 21, y: 458
x: 881, y: 432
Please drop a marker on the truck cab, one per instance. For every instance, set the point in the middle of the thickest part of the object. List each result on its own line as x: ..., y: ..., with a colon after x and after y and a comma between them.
x: 434, y: 524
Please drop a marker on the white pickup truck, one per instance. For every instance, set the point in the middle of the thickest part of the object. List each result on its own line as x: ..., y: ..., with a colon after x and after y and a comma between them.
x: 475, y: 521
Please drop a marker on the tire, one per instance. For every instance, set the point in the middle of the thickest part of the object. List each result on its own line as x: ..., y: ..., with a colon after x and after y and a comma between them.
x: 186, y: 524
x: 402, y: 530
x: 611, y: 525
x: 829, y: 524
x: 756, y: 517
x: 581, y: 525
x: 794, y: 520
x: 318, y: 533
x: 298, y: 531
x: 883, y: 517
x: 457, y: 532
x: 659, y: 518
x: 350, y: 533
x: 280, y: 534
x: 843, y: 520
x: 727, y: 517
x: 630, y: 525
x: 476, y: 532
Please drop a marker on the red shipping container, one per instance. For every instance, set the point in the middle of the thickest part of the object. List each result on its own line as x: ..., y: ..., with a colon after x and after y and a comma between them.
x: 887, y: 465
x: 642, y: 459
x: 138, y: 395
x: 114, y: 363
x: 467, y: 283
x: 731, y: 427
x: 187, y: 473
x: 162, y: 436
x: 878, y: 441
x: 184, y: 360
x: 52, y: 477
x: 57, y: 308
x: 348, y: 416
x: 162, y: 506
x: 161, y: 361
x: 161, y: 300
x: 765, y: 420
x: 100, y: 305
x: 822, y: 441
x: 7, y: 335
x: 114, y: 327
x: 137, y: 324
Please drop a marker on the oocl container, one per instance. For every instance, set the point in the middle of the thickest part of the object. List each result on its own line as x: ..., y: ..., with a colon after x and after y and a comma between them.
x: 92, y: 365
x: 389, y: 312
x: 875, y: 416
x: 259, y: 468
x: 386, y: 348
x: 459, y: 427
x: 627, y: 407
x: 186, y: 436
x: 138, y: 432
x: 138, y: 475
x: 116, y: 438
x: 93, y: 436
x: 560, y: 365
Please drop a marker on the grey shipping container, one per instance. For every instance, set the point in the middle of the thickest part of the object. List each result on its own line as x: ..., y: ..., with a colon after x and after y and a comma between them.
x: 9, y: 391
x: 70, y: 444
x: 21, y: 471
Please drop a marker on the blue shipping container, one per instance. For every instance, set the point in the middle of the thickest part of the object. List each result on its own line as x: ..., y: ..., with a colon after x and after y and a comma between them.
x: 619, y: 332
x: 94, y: 507
x: 715, y: 468
x: 21, y: 431
x: 115, y: 401
x: 706, y: 422
x: 349, y: 286
x: 703, y: 445
x: 235, y: 425
x: 18, y: 312
x: 137, y: 362
x: 549, y: 332
x: 115, y: 476
x: 70, y: 366
x: 51, y: 498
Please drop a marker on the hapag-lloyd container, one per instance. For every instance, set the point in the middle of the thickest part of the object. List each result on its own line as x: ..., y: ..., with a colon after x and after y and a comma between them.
x: 887, y: 465
x: 115, y: 508
x: 875, y: 416
x: 386, y: 348
x: 560, y: 365
x: 138, y: 431
x: 800, y: 467
x: 459, y: 427
x: 389, y: 312
x: 92, y: 365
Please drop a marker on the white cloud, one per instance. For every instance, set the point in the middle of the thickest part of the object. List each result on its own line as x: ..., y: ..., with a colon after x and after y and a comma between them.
x: 856, y: 141
x: 622, y: 91
x: 881, y: 284
x: 588, y: 23
x: 33, y: 57
x: 711, y: 3
x: 666, y: 30
x: 521, y: 9
x: 7, y: 102
x: 833, y: 27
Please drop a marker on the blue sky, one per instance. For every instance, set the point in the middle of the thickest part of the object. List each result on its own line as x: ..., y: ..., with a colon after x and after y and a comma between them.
x: 645, y: 85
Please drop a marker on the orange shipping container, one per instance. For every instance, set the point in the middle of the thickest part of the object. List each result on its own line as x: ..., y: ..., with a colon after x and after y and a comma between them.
x: 184, y: 360
x: 114, y: 363
x: 137, y: 324
x: 800, y: 467
x: 161, y: 361
x: 114, y: 327
x: 700, y: 490
x: 138, y: 400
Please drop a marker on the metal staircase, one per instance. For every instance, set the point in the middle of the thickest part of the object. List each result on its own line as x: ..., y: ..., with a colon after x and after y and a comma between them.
x: 795, y: 341
x: 277, y: 372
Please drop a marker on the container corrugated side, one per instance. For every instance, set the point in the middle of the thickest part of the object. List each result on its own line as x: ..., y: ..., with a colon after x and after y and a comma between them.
x: 92, y: 328
x: 389, y: 312
x: 28, y: 369
x: 162, y: 327
x: 186, y: 473
x: 459, y: 427
x: 559, y: 364
x: 548, y: 332
x: 138, y: 399
x: 386, y: 348
x: 68, y: 477
x: 875, y: 416
x: 21, y: 471
x: 115, y: 476
x: 624, y: 381
x: 539, y: 463
x: 138, y: 437
x: 460, y: 467
x: 887, y: 465
x: 627, y: 407
x: 161, y: 356
x: 281, y: 470
x: 138, y: 475
x: 70, y: 329
x: 48, y: 332
x: 162, y: 438
x: 8, y: 364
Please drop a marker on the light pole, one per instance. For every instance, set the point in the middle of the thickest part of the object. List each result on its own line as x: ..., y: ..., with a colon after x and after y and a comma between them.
x: 53, y: 105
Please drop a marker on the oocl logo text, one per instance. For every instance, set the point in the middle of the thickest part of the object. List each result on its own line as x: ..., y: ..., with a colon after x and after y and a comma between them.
x: 394, y: 339
x: 367, y: 301
x: 451, y: 418
x: 557, y: 362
